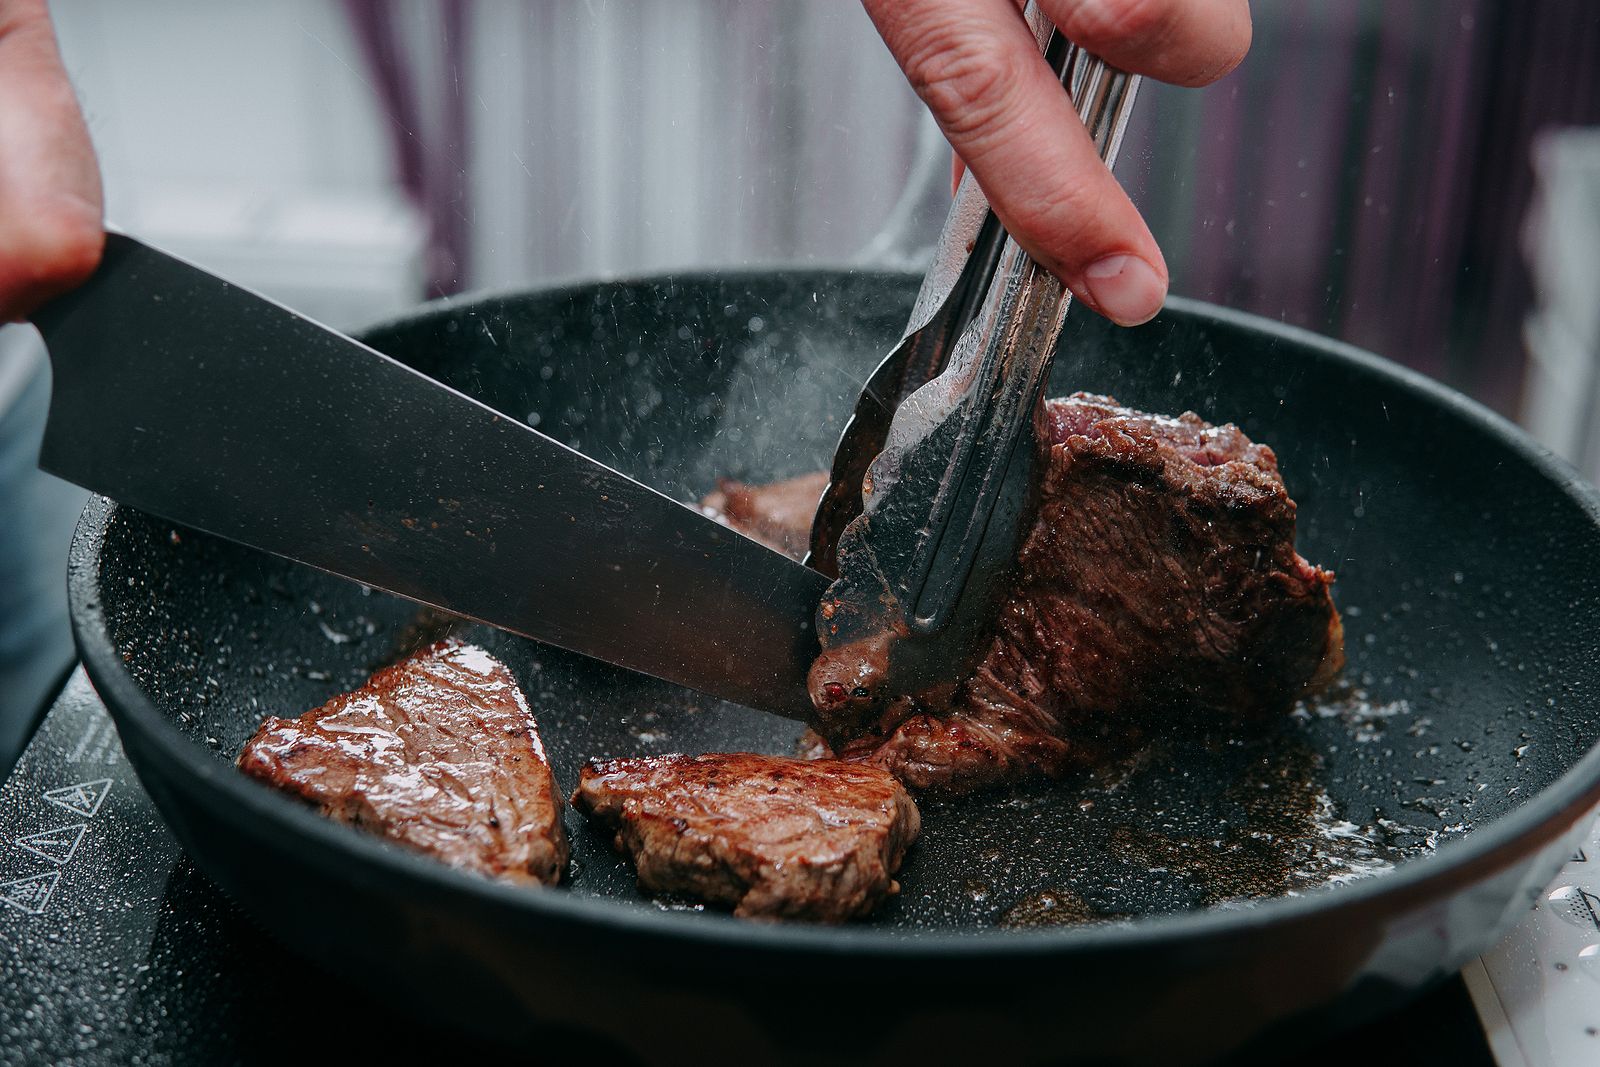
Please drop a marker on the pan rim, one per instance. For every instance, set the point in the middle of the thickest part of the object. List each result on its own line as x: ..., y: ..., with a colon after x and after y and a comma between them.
x: 1542, y: 818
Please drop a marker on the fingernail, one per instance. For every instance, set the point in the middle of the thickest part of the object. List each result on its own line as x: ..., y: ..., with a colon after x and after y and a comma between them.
x: 1125, y: 289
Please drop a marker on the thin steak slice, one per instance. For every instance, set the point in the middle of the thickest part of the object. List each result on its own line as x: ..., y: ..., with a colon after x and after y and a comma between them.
x: 774, y: 838
x: 778, y: 515
x: 438, y: 752
x: 1159, y: 579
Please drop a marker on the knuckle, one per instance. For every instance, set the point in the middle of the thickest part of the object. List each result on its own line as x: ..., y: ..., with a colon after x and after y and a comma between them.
x: 1095, y: 24
x: 968, y: 80
x: 1226, y: 52
x: 21, y: 14
x: 1165, y: 33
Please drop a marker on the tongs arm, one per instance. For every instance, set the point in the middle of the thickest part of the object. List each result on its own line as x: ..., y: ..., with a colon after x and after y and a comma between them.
x: 964, y: 267
x: 923, y: 568
x: 1008, y: 348
x: 952, y: 291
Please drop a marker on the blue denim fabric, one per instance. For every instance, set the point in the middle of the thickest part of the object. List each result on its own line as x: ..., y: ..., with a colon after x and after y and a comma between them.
x: 37, y: 513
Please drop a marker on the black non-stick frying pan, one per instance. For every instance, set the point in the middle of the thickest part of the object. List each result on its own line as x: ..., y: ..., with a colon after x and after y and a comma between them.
x: 1467, y: 578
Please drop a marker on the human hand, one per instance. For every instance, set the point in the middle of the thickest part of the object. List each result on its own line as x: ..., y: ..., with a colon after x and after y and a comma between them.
x: 978, y: 68
x: 51, y: 232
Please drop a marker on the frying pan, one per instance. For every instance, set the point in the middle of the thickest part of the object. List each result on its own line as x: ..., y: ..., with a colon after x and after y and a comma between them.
x: 1465, y: 560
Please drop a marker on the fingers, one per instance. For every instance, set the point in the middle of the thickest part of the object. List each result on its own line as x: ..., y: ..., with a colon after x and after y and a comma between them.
x: 981, y: 73
x: 51, y: 233
x: 1185, y: 42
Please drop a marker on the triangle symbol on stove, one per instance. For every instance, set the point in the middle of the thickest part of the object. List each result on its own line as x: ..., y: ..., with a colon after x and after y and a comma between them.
x: 56, y: 845
x: 83, y: 799
x: 29, y: 894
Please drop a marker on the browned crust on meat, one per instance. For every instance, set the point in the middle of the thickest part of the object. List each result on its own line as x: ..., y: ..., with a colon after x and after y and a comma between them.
x: 439, y: 753
x: 770, y: 837
x: 1159, y: 578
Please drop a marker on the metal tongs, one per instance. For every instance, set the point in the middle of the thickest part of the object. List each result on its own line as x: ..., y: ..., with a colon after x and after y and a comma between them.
x: 932, y: 477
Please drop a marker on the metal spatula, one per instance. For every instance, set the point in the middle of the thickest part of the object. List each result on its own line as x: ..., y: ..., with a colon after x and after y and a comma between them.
x: 923, y: 552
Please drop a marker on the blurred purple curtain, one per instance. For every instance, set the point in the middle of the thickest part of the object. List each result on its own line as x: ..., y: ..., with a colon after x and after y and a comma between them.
x: 1366, y: 172
x: 423, y: 97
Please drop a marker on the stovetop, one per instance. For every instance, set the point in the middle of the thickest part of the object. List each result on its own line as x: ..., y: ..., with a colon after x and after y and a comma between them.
x: 119, y: 951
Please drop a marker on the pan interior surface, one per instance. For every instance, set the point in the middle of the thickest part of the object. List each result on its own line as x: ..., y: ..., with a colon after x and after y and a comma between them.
x: 1471, y: 606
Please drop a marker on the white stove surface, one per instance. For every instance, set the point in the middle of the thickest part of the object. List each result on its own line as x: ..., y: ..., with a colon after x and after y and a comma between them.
x: 1538, y: 991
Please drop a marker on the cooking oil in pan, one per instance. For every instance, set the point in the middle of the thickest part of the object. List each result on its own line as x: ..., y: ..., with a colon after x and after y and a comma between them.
x: 1198, y: 817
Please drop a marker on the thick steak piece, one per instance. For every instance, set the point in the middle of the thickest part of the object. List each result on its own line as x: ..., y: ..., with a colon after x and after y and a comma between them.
x: 778, y: 515
x: 1159, y: 579
x: 774, y: 838
x: 438, y: 752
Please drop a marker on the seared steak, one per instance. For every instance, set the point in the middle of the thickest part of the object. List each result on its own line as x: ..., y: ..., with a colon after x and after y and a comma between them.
x: 778, y: 515
x: 774, y: 838
x: 1159, y: 579
x: 438, y: 752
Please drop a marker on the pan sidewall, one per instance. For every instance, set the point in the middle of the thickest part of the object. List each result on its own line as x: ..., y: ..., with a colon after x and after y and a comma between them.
x: 1202, y: 983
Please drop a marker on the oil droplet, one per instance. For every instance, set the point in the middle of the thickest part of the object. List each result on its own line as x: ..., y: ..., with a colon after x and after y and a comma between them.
x: 1049, y: 907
